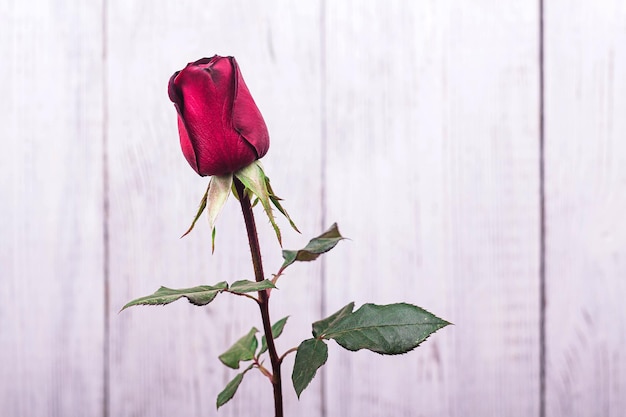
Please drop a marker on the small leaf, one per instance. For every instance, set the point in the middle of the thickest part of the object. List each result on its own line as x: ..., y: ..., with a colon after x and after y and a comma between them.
x: 200, y: 211
x: 231, y: 388
x: 253, y: 179
x: 199, y: 296
x: 311, y: 355
x: 316, y: 246
x: 245, y: 286
x: 277, y: 330
x: 386, y: 329
x: 320, y: 327
x: 242, y: 350
x: 219, y: 190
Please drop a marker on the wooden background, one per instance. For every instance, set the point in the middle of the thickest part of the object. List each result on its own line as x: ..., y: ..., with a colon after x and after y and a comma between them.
x: 476, y: 161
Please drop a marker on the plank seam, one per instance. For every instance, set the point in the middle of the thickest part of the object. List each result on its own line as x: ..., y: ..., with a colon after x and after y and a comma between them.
x: 105, y: 218
x: 542, y: 221
x: 323, y: 169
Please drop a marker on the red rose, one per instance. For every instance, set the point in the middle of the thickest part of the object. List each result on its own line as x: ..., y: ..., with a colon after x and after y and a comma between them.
x: 221, y: 129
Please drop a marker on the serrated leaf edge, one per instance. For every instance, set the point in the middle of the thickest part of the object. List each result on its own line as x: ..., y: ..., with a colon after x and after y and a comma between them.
x: 251, y: 335
x: 235, y: 381
x: 337, y: 334
x: 293, y: 374
x: 178, y: 294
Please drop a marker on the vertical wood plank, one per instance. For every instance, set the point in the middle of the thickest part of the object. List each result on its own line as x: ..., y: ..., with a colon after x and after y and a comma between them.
x: 585, y: 201
x: 164, y: 360
x: 432, y: 170
x: 51, y: 257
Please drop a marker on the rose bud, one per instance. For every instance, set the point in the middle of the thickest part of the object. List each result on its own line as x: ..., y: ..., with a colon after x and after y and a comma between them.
x: 221, y: 129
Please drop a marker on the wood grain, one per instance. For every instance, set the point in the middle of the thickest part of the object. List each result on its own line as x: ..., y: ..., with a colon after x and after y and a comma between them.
x: 51, y: 255
x: 432, y: 170
x: 585, y: 202
x: 164, y: 360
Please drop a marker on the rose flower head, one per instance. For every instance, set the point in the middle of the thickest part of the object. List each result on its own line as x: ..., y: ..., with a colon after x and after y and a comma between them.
x: 221, y: 129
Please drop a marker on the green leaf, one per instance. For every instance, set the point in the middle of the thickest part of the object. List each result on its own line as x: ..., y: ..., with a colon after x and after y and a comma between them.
x: 316, y: 246
x: 200, y: 211
x: 199, y: 296
x: 254, y: 180
x: 320, y: 327
x: 311, y: 355
x: 218, y: 192
x: 386, y: 329
x: 277, y: 330
x: 242, y: 350
x: 231, y: 388
x: 245, y: 286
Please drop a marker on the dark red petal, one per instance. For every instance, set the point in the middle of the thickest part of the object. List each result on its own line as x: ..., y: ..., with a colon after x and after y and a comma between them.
x: 247, y: 118
x: 203, y: 61
x: 203, y: 105
x: 172, y: 91
x: 186, y: 144
x: 223, y: 76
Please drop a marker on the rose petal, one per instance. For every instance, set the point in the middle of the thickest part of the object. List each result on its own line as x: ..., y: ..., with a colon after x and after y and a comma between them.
x: 186, y: 145
x: 172, y: 91
x: 247, y: 118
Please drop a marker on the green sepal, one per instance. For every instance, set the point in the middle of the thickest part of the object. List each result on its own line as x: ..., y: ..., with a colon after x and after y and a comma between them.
x: 231, y: 388
x: 214, y: 198
x: 218, y: 192
x: 256, y: 183
x: 316, y: 246
x: 201, y: 295
x: 277, y: 330
x: 276, y: 201
x: 201, y: 208
x: 311, y: 355
x: 242, y: 350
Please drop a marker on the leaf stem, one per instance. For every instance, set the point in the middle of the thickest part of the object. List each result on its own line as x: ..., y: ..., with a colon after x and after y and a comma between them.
x: 242, y: 295
x: 278, y: 275
x: 263, y: 300
x: 263, y: 370
x: 293, y: 349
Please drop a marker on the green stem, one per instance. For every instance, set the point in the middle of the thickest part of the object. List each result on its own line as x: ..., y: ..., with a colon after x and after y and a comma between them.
x: 255, y: 250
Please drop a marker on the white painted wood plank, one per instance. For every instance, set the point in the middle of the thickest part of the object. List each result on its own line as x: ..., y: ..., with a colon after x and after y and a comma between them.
x: 432, y: 170
x: 585, y: 203
x: 51, y: 251
x: 164, y: 360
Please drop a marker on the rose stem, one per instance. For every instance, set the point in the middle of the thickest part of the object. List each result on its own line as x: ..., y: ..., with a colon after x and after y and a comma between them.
x: 255, y: 250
